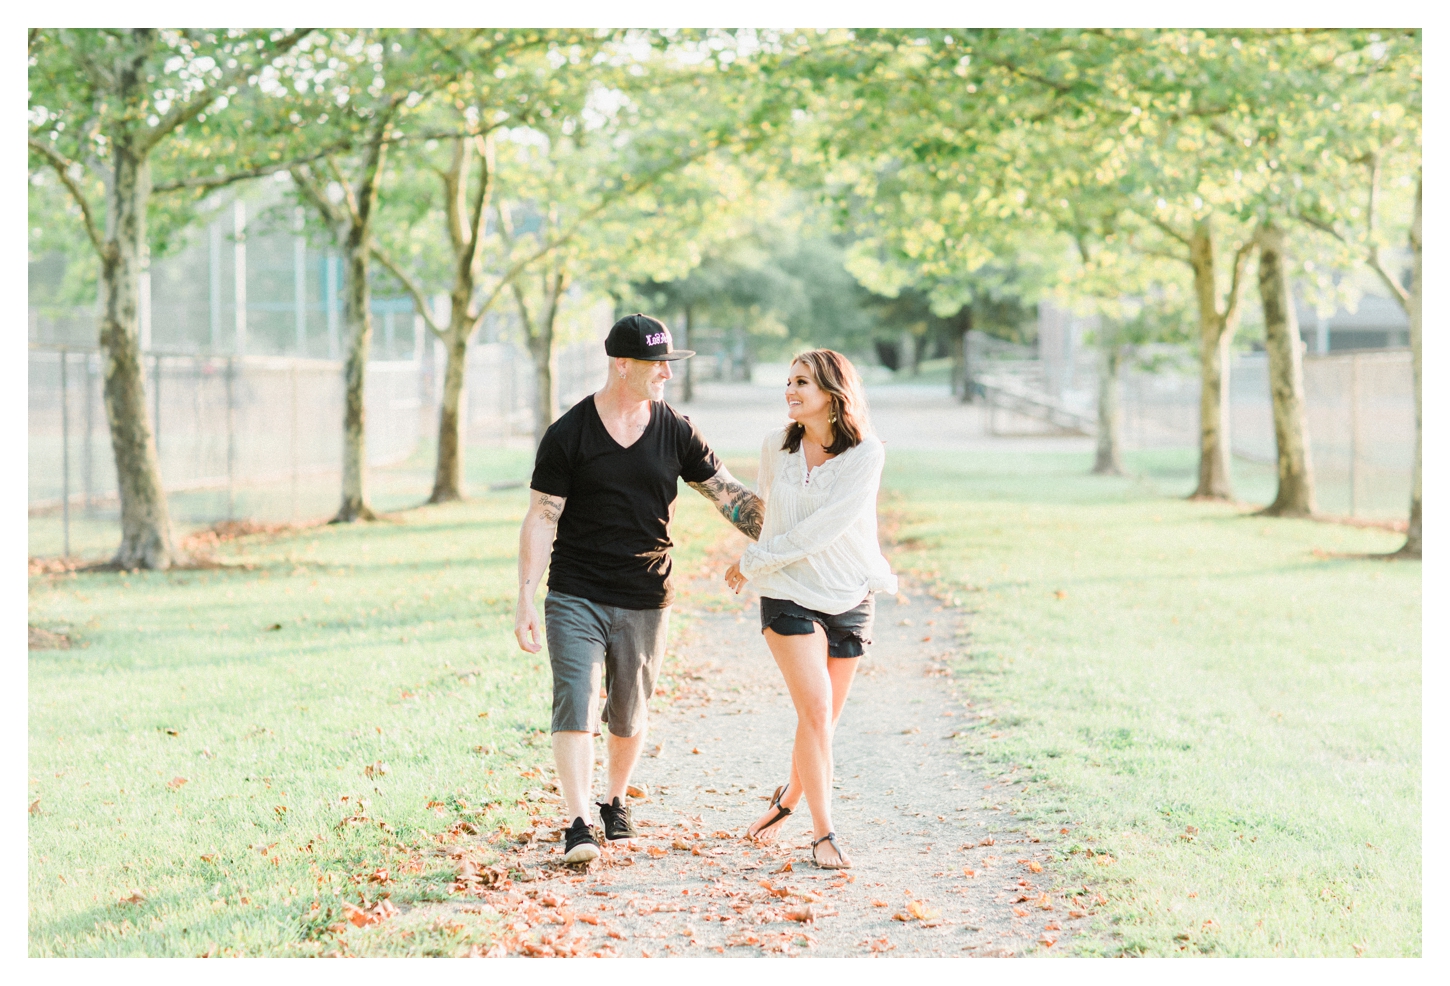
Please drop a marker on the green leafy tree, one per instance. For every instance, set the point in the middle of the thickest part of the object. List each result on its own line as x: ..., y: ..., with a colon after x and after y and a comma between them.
x: 116, y: 115
x: 511, y: 79
x: 378, y: 82
x: 1368, y: 186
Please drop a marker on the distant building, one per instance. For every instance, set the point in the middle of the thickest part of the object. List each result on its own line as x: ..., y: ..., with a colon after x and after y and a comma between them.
x: 1377, y: 323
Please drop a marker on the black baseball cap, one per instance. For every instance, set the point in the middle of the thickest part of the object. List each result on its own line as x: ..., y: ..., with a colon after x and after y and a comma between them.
x: 639, y: 336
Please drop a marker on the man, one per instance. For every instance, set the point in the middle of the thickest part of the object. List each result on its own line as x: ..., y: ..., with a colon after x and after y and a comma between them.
x: 603, y: 494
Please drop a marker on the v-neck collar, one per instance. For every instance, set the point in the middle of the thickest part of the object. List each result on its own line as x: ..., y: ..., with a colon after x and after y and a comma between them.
x: 599, y: 419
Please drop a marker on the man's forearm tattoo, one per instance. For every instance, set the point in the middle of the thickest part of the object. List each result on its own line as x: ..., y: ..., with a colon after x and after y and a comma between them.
x: 737, y: 504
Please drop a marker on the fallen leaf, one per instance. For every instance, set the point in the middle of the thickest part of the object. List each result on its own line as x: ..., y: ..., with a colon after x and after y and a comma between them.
x: 1052, y: 926
x: 280, y: 810
x: 35, y: 807
x: 1077, y: 914
x: 275, y: 626
x: 637, y: 791
x: 921, y: 912
x: 802, y: 914
x: 966, y: 872
x: 175, y: 783
x: 1035, y: 866
x: 680, y: 844
x: 988, y: 841
x: 913, y: 729
x: 375, y: 769
x: 655, y: 851
x: 1060, y: 594
x: 695, y: 750
x: 784, y: 868
x: 879, y: 903
x: 1046, y: 942
x: 1020, y: 912
x: 172, y: 732
x: 135, y: 898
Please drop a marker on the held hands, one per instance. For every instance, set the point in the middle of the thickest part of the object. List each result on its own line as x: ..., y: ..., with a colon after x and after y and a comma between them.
x: 733, y: 578
x: 526, y: 626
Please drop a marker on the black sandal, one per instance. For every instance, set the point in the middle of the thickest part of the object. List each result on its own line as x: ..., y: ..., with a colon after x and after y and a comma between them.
x: 781, y: 811
x: 844, y: 864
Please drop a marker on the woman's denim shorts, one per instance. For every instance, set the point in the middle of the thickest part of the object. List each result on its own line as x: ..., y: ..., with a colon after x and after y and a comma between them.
x: 847, y: 634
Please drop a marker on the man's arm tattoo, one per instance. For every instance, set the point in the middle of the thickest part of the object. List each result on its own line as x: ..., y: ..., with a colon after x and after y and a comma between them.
x: 550, y: 507
x: 737, y: 504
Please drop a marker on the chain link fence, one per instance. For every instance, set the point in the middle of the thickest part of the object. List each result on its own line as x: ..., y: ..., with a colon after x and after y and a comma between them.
x: 1360, y: 414
x: 260, y: 437
x: 1359, y: 406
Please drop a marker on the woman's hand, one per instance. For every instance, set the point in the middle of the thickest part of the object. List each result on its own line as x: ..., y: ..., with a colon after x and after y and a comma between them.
x: 733, y: 578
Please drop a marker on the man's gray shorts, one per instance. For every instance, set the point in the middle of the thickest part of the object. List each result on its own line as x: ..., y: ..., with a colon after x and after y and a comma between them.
x: 629, y: 644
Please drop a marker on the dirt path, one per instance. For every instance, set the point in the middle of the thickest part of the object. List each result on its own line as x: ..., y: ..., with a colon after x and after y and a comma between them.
x: 938, y: 870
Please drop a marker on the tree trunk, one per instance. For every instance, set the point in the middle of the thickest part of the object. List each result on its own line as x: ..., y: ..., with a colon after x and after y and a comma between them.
x: 1109, y: 461
x: 448, y: 475
x: 358, y: 316
x: 964, y: 326
x: 546, y: 397
x: 540, y: 338
x: 1411, y: 547
x: 959, y: 360
x: 145, y: 520
x: 911, y: 352
x: 1295, y: 497
x: 687, y: 386
x: 1215, y: 342
x: 359, y: 320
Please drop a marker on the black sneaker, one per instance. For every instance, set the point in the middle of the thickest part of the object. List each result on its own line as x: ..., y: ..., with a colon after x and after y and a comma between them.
x: 579, y: 844
x: 616, y: 821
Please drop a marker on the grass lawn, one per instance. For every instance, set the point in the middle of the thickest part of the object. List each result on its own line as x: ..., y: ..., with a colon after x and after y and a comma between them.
x: 1223, y: 715
x: 233, y: 754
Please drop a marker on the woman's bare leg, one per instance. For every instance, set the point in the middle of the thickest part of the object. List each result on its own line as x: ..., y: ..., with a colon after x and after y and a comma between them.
x: 842, y: 671
x: 818, y: 691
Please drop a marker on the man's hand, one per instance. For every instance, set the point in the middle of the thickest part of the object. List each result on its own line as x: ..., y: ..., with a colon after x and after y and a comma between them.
x: 733, y: 578
x: 535, y: 537
x: 737, y: 504
x: 526, y: 626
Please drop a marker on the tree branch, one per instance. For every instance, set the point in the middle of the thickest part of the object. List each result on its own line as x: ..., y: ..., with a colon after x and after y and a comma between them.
x: 1373, y: 258
x: 411, y: 286
x: 261, y: 171
x: 62, y: 166
x: 187, y: 111
x: 568, y: 233
x: 479, y: 217
x: 311, y: 189
x: 1169, y: 230
x: 1237, y: 281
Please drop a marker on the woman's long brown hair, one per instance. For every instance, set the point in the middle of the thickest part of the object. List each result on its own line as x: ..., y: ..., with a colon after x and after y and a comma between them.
x: 834, y: 374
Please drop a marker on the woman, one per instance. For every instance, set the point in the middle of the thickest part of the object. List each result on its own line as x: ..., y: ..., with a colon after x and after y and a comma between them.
x: 816, y: 565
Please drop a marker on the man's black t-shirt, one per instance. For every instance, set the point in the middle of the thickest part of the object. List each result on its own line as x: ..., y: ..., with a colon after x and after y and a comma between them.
x: 613, y: 541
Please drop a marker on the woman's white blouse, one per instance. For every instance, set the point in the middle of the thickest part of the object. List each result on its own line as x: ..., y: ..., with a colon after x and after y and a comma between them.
x: 818, y: 542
